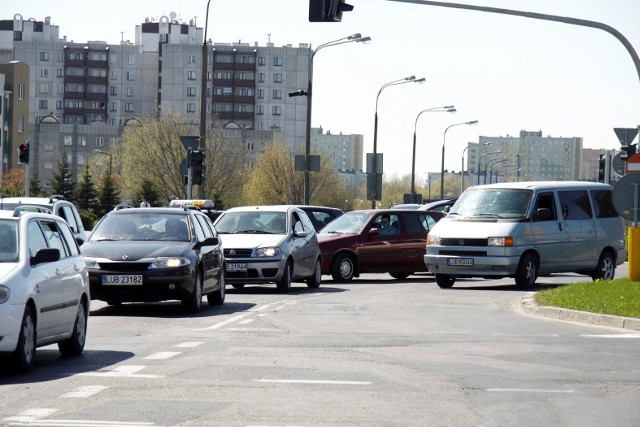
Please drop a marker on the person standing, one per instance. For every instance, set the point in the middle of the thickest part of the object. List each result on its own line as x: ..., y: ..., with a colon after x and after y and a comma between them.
x: 145, y: 203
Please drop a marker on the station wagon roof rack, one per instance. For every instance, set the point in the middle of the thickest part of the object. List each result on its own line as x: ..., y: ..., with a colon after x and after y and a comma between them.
x: 56, y: 197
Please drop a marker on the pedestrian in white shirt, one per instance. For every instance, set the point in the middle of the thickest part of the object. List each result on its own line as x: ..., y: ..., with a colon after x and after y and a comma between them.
x: 144, y: 203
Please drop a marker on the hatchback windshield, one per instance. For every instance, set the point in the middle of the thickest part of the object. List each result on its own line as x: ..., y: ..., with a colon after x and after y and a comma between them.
x: 349, y: 223
x: 142, y: 226
x: 253, y: 222
x: 492, y: 202
x: 8, y: 240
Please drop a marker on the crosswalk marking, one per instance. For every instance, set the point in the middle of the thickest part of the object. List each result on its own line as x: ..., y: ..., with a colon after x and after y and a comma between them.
x: 121, y: 371
x: 162, y: 355
x: 189, y: 344
x: 85, y: 391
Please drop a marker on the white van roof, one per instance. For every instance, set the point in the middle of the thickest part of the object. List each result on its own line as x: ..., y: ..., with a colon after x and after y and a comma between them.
x: 547, y: 185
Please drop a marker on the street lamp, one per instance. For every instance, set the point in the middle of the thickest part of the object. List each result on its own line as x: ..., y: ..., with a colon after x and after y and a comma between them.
x: 354, y: 38
x: 445, y: 109
x: 462, y: 165
x: 203, y: 96
x: 480, y: 160
x: 495, y: 162
x: 473, y: 122
x: 374, y: 161
x: 110, y: 158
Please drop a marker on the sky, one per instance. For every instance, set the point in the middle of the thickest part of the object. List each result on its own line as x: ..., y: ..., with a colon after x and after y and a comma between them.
x: 509, y: 73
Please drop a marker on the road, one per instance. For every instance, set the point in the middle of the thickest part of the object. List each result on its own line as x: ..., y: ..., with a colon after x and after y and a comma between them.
x: 375, y: 351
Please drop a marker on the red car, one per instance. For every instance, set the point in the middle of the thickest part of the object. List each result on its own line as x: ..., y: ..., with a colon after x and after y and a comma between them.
x: 376, y: 241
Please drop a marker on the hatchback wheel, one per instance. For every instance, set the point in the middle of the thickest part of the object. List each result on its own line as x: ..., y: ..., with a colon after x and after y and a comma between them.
x: 217, y: 298
x: 26, y: 349
x: 75, y: 344
x: 316, y: 277
x: 284, y: 284
x: 400, y: 276
x: 193, y: 304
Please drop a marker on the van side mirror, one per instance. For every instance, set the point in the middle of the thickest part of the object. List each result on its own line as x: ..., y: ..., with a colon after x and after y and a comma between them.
x: 542, y: 214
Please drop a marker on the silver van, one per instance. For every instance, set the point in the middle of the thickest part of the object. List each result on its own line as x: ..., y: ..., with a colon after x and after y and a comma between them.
x: 527, y: 229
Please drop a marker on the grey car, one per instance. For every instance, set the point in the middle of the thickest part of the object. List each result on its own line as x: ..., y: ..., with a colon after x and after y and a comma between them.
x: 269, y: 244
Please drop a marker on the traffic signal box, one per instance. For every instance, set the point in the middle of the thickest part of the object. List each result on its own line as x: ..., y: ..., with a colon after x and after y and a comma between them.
x: 602, y: 167
x: 197, y: 167
x: 23, y: 153
x: 327, y: 10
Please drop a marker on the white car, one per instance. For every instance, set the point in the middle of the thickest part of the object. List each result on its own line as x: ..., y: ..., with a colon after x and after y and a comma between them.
x: 44, y: 287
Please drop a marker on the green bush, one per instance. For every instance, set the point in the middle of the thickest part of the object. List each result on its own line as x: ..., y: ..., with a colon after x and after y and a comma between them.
x: 88, y: 219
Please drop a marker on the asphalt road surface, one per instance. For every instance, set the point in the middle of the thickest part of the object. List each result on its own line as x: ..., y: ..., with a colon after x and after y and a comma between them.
x: 376, y: 351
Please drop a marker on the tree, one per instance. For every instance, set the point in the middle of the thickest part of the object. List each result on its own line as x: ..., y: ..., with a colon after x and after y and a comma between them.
x: 108, y: 196
x: 35, y: 188
x: 275, y: 181
x: 13, y: 182
x: 62, y: 181
x: 150, y: 191
x: 86, y: 192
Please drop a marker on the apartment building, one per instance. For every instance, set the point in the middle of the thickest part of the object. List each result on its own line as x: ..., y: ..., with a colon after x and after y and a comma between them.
x: 14, y: 110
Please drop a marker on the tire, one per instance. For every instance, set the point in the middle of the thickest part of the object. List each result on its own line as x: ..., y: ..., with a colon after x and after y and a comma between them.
x: 238, y: 285
x: 114, y: 302
x: 284, y: 284
x: 445, y: 281
x: 606, y: 268
x: 217, y: 298
x: 193, y: 304
x: 400, y: 276
x: 343, y: 268
x: 25, y: 351
x: 527, y: 271
x: 75, y: 344
x: 316, y: 277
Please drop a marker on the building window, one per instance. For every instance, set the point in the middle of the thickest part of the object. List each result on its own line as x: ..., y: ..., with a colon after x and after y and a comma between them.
x: 191, y: 107
x: 17, y: 36
x: 61, y: 57
x: 276, y: 110
x: 44, y: 72
x: 44, y: 88
x: 192, y: 59
x: 129, y: 91
x: 131, y: 75
x: 209, y: 75
x: 261, y: 60
x: 113, y: 90
x: 114, y: 59
x: 82, y: 141
x: 260, y: 110
x: 76, y: 56
x: 131, y: 59
x: 48, y: 147
x: 99, y: 141
x: 260, y: 93
x: 208, y: 92
x: 261, y: 77
x: 43, y: 104
x: 277, y: 78
x: 191, y: 91
x: 113, y: 106
x: 128, y: 107
x: 114, y: 75
x: 59, y: 105
x: 112, y: 121
x: 250, y: 146
x: 191, y: 75
x: 21, y: 92
x: 113, y: 141
x: 277, y: 61
x: 68, y: 140
x: 59, y: 72
x: 242, y: 76
x: 277, y: 94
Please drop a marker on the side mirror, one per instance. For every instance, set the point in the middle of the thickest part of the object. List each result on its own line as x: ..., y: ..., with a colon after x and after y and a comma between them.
x: 300, y: 234
x: 374, y: 231
x: 209, y: 241
x: 542, y: 214
x: 45, y: 255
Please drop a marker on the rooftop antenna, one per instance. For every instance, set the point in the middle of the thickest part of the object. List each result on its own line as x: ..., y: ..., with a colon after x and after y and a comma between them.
x: 269, y: 35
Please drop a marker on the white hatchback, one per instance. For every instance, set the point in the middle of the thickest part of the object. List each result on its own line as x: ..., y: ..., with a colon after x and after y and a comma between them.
x: 44, y: 287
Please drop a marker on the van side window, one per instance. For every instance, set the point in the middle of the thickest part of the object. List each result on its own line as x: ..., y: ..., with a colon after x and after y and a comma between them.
x: 603, y: 204
x: 546, y: 201
x: 575, y: 204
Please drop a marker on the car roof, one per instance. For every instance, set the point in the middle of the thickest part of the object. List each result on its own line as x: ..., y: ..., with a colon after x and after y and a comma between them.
x: 44, y: 201
x: 10, y: 214
x: 265, y: 208
x: 546, y: 185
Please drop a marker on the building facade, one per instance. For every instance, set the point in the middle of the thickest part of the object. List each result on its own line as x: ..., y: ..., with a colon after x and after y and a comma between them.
x: 14, y: 110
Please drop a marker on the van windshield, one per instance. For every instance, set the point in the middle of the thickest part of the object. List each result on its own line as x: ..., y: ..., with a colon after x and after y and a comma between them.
x: 493, y: 202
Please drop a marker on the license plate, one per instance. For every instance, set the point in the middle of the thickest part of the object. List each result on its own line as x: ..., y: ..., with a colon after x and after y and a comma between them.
x: 459, y: 261
x: 236, y: 266
x: 122, y: 279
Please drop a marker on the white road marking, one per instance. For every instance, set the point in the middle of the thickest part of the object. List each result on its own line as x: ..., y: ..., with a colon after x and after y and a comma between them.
x: 121, y: 371
x: 80, y: 423
x: 224, y: 323
x: 189, y: 344
x: 162, y: 355
x: 314, y: 382
x: 528, y: 390
x: 264, y: 307
x: 85, y: 391
x: 32, y: 414
x: 244, y: 322
x: 611, y: 336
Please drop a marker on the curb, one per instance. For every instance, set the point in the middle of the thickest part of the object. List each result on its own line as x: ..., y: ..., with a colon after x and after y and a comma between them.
x: 529, y: 306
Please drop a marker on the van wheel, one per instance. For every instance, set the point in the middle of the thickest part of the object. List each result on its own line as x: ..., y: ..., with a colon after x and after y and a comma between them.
x: 526, y: 273
x: 445, y: 281
x: 342, y: 268
x: 606, y: 268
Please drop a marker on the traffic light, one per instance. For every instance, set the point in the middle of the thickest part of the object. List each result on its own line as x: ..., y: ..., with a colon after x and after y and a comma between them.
x: 327, y: 10
x: 628, y: 151
x: 23, y: 153
x: 197, y: 167
x: 602, y: 166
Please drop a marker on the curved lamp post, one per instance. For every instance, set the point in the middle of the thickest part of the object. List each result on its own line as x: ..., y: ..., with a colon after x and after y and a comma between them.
x: 495, y: 162
x: 374, y: 161
x: 445, y: 109
x: 485, y: 169
x: 462, y: 166
x: 473, y: 122
x: 110, y: 158
x: 354, y: 38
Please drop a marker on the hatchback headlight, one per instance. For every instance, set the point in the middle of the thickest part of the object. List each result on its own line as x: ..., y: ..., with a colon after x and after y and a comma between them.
x: 500, y: 241
x: 92, y: 263
x: 433, y: 240
x: 5, y: 293
x: 169, y: 262
x: 268, y: 251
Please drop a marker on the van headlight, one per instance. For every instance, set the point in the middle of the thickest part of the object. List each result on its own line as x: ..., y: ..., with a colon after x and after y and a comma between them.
x: 500, y: 241
x: 268, y: 251
x: 433, y: 240
x: 5, y: 293
x: 169, y: 262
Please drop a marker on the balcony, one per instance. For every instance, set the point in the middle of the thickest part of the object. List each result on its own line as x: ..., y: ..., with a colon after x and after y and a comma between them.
x: 222, y: 66
x: 97, y: 64
x: 244, y: 83
x: 249, y: 66
x: 73, y: 79
x: 73, y: 63
x: 101, y: 96
x: 97, y: 80
x: 74, y: 95
x: 222, y: 82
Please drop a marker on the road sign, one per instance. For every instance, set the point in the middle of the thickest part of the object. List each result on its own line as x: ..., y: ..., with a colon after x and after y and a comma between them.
x: 633, y: 164
x: 626, y: 135
x: 624, y: 195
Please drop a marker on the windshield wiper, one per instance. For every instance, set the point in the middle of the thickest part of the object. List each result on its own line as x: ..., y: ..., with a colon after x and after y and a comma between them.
x: 252, y: 232
x: 494, y: 215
